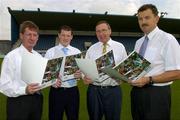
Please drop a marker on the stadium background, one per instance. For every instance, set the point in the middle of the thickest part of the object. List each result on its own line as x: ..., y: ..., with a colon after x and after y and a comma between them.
x: 125, y: 30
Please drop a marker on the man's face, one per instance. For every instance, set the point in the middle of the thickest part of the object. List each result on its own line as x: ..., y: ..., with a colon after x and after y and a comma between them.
x: 29, y: 38
x: 65, y: 37
x: 147, y: 21
x: 103, y: 32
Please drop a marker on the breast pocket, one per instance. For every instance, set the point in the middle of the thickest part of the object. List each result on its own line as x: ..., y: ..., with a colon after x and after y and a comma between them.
x: 151, y: 54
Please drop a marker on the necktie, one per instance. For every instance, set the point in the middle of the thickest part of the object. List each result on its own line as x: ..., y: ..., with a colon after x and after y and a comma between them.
x: 65, y: 50
x: 71, y: 82
x: 104, y: 48
x: 144, y: 46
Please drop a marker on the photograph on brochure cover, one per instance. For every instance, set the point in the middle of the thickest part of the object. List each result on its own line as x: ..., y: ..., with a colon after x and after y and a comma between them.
x: 92, y: 68
x: 52, y: 71
x: 69, y: 67
x: 132, y: 68
x: 36, y: 69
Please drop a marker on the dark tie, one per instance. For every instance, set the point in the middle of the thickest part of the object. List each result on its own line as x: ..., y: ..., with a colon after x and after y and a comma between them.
x: 144, y: 46
x: 65, y: 50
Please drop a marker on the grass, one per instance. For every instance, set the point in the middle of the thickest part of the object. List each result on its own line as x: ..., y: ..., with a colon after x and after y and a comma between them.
x: 83, y: 115
x: 126, y: 111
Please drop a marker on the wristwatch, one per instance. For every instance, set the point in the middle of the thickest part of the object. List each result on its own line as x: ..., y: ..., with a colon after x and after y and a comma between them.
x: 151, y: 80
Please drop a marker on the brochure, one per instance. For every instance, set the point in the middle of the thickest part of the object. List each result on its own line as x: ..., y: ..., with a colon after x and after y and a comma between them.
x: 51, y: 73
x: 132, y: 68
x: 92, y: 68
x: 69, y: 67
x: 36, y: 69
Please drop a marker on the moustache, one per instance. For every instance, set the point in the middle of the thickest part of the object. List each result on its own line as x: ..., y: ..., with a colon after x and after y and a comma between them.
x: 144, y: 25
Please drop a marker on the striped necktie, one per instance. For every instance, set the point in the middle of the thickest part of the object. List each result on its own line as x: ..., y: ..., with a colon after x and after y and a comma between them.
x: 144, y: 46
x: 104, y: 48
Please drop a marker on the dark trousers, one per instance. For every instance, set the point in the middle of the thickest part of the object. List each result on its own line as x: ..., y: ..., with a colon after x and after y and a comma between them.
x: 64, y: 100
x: 104, y: 101
x: 27, y: 107
x: 151, y: 103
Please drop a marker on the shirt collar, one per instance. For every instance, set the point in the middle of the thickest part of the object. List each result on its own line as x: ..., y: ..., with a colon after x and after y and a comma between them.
x: 61, y: 46
x: 24, y: 49
x: 109, y: 43
x: 152, y: 33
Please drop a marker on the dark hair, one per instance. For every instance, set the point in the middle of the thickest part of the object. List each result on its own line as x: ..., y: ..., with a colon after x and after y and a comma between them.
x: 103, y: 21
x: 66, y: 28
x: 149, y: 6
x: 28, y: 24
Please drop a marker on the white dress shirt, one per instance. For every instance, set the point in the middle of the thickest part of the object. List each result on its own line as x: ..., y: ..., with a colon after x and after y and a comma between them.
x: 11, y: 83
x: 162, y: 51
x: 56, y: 52
x: 95, y: 51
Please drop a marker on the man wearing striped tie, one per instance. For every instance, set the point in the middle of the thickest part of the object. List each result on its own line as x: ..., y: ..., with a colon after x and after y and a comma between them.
x: 64, y: 96
x: 151, y: 94
x: 104, y: 98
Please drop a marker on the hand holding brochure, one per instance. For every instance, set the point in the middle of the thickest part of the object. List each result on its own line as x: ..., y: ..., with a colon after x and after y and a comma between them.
x: 51, y: 73
x: 69, y: 67
x: 92, y: 68
x: 132, y: 68
x: 36, y: 69
x: 88, y: 67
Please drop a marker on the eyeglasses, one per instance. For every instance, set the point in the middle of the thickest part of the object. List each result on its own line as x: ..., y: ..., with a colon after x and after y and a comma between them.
x: 102, y: 31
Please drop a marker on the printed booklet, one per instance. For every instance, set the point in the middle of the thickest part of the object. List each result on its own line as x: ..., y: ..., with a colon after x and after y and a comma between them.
x: 69, y: 67
x: 92, y: 68
x: 36, y: 69
x: 132, y: 68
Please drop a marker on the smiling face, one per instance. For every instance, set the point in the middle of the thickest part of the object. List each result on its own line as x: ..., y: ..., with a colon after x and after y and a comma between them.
x: 29, y: 38
x: 65, y: 37
x: 103, y: 32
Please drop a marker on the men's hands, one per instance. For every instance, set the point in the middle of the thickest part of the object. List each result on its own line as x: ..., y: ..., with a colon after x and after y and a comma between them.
x: 140, y: 82
x: 32, y: 88
x: 57, y: 84
x: 78, y: 74
x: 87, y: 80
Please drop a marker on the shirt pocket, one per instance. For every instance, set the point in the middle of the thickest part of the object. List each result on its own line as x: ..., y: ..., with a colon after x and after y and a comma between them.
x: 151, y: 54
